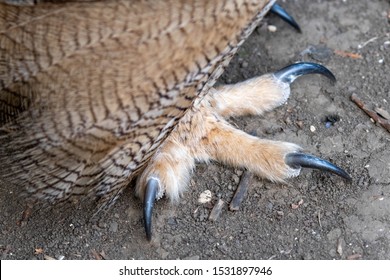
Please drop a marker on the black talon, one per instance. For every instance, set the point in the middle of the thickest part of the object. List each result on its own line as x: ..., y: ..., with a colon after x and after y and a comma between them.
x: 279, y: 11
x: 150, y: 197
x: 290, y: 73
x: 296, y: 160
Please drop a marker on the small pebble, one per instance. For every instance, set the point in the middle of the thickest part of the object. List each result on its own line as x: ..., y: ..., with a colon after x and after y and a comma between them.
x: 113, y: 227
x: 312, y: 128
x: 300, y: 124
x: 272, y: 28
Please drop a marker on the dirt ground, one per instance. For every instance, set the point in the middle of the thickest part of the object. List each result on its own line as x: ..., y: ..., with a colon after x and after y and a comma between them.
x: 314, y: 216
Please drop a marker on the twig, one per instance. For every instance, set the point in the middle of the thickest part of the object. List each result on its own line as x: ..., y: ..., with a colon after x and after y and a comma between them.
x: 378, y: 119
x: 241, y: 191
x: 348, y: 54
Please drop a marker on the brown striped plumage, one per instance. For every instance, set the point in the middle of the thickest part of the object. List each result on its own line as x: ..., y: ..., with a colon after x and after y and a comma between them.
x: 90, y: 89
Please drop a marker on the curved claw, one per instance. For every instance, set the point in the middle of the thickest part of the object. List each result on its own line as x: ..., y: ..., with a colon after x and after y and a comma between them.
x: 149, y: 198
x: 296, y: 160
x: 290, y: 73
x: 279, y: 11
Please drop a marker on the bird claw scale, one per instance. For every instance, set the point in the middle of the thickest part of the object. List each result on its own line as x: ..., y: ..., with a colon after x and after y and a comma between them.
x: 90, y: 90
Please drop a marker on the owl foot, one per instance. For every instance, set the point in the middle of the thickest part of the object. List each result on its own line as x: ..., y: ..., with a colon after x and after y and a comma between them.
x: 204, y: 135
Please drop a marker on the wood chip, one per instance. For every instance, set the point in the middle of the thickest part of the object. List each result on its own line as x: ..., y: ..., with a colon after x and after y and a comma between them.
x: 241, y: 191
x: 216, y: 210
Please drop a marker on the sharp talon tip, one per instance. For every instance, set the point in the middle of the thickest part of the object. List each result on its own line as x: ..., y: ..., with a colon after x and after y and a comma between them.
x: 282, y: 13
x: 149, y: 198
x: 289, y: 73
x: 308, y: 161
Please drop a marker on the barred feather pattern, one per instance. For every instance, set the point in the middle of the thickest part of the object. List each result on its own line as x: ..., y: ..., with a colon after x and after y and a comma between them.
x: 90, y: 89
